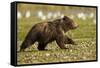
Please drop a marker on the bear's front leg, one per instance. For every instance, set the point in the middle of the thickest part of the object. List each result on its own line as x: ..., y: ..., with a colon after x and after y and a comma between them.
x: 68, y: 40
x: 60, y: 42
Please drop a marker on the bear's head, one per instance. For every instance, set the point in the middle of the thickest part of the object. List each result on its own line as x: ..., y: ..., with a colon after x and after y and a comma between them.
x: 68, y: 23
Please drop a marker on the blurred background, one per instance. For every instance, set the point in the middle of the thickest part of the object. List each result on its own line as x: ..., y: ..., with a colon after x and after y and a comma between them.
x: 30, y: 14
x: 85, y: 35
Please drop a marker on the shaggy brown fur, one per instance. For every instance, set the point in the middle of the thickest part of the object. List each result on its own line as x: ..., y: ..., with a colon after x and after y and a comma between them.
x: 47, y: 32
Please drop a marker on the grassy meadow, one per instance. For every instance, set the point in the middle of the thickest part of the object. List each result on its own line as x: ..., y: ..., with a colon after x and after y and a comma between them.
x: 84, y: 36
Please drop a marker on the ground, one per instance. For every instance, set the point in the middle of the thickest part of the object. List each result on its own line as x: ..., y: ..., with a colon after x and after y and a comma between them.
x: 84, y: 36
x: 85, y: 50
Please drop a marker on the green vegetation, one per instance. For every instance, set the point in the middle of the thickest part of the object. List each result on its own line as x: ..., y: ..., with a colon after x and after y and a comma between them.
x: 84, y: 51
x: 84, y: 36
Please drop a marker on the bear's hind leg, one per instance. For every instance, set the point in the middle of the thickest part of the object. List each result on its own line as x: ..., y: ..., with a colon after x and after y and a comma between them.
x: 41, y: 46
x: 26, y: 44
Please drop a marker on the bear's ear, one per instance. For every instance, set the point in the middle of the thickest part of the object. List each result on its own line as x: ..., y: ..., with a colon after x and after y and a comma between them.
x: 65, y: 17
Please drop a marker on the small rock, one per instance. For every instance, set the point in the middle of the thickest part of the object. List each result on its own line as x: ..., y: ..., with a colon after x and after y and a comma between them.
x: 65, y: 57
x: 33, y: 57
x: 71, y: 50
x: 75, y: 57
x: 26, y: 55
x: 47, y: 54
x: 84, y: 57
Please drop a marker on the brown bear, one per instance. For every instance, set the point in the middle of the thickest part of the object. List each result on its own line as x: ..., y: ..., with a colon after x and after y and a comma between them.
x: 47, y: 32
x: 68, y: 40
